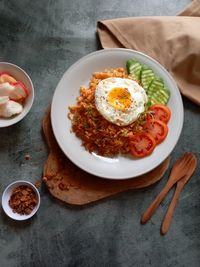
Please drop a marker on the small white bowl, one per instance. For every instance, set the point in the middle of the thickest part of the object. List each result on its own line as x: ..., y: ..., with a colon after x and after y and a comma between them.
x: 7, y: 194
x: 20, y: 75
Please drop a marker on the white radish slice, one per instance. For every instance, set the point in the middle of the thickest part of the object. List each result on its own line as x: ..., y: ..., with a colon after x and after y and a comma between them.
x: 10, y: 109
x: 3, y: 100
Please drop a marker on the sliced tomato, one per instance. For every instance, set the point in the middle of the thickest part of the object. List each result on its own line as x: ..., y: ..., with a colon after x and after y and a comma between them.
x: 157, y: 128
x: 142, y: 144
x: 160, y: 112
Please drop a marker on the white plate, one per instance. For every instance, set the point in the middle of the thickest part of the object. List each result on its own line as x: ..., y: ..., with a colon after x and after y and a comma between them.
x: 65, y: 95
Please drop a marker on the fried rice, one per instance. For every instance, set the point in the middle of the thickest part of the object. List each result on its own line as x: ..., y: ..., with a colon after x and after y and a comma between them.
x: 97, y: 134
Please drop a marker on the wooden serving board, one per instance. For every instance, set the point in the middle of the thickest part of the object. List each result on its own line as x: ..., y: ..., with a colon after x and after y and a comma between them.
x: 72, y: 185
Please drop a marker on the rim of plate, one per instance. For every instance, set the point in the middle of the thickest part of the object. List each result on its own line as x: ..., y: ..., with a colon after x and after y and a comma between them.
x: 87, y: 167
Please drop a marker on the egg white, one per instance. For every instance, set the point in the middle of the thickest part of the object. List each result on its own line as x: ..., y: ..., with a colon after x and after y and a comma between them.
x: 110, y: 113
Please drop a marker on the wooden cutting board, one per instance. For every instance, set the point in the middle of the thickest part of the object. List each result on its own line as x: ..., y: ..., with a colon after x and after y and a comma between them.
x: 72, y: 185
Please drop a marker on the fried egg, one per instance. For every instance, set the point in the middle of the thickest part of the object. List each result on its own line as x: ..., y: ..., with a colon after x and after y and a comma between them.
x: 120, y: 100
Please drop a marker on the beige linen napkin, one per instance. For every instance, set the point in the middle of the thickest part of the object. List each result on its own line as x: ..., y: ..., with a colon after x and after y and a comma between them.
x: 174, y: 41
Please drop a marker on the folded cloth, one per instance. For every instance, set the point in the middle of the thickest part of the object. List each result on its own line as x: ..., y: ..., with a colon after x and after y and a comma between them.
x: 174, y: 41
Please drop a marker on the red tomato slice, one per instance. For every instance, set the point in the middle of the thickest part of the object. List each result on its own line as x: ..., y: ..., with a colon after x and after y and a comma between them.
x: 160, y: 112
x: 142, y: 144
x: 158, y: 129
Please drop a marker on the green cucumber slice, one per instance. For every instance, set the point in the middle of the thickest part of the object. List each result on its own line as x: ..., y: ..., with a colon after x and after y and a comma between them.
x: 157, y: 92
x: 154, y: 86
x: 147, y: 75
x: 134, y: 69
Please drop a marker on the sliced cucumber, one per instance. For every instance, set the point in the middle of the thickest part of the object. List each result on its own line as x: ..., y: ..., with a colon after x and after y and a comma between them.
x: 154, y: 85
x: 147, y: 75
x: 157, y: 92
x: 134, y: 69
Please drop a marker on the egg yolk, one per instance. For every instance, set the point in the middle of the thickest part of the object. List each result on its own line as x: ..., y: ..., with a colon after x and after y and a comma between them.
x: 119, y: 98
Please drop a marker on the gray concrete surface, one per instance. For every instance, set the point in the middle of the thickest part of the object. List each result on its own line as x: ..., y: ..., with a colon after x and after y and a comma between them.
x: 45, y: 38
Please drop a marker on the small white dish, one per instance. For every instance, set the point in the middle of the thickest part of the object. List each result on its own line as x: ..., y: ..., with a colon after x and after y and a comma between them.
x: 6, y: 197
x: 20, y: 75
x: 68, y: 89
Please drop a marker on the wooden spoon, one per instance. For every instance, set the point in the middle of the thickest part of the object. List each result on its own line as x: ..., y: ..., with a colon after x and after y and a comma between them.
x: 179, y: 170
x: 180, y: 184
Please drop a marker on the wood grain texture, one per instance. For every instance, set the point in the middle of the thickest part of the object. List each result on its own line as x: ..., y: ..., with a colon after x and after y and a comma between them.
x: 72, y: 185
